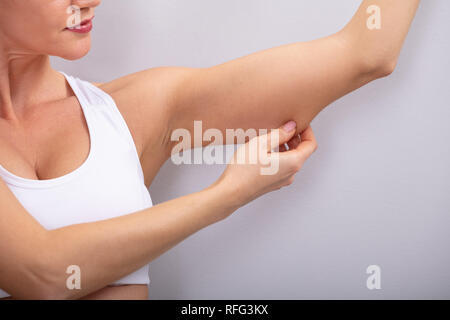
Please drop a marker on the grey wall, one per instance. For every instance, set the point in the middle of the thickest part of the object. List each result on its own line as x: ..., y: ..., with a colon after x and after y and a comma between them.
x: 376, y: 191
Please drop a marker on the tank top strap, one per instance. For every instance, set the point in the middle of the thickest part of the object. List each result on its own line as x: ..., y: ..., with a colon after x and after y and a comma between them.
x: 93, y: 97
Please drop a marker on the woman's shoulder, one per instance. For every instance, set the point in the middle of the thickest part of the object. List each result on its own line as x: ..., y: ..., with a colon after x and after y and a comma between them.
x: 147, y: 97
x: 145, y: 100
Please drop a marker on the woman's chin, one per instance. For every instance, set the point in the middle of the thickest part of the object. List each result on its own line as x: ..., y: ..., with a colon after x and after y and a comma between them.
x: 75, y: 51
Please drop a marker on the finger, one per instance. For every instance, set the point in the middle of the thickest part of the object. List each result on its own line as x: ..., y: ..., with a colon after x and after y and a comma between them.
x: 294, y: 142
x: 308, y: 143
x: 308, y: 134
x: 281, y: 135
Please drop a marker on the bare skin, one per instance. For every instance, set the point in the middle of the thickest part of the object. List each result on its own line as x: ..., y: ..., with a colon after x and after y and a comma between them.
x: 262, y: 90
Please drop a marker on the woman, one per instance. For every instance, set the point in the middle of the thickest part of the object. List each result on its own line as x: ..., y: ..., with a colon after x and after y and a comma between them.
x: 77, y: 158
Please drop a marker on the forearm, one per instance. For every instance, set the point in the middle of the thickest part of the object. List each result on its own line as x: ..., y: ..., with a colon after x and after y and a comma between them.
x: 107, y: 250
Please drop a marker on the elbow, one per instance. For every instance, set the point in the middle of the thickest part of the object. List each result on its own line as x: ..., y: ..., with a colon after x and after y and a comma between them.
x: 385, y: 68
x: 41, y: 279
x: 48, y: 280
x: 380, y: 68
x: 369, y: 63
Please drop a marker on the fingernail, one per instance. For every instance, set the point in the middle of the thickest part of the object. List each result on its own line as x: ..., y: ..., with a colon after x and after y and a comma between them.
x: 289, y: 126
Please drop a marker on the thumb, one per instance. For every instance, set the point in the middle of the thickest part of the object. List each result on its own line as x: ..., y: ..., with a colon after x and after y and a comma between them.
x: 281, y: 135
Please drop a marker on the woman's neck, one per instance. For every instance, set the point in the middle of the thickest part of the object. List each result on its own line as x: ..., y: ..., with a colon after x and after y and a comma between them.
x: 25, y: 80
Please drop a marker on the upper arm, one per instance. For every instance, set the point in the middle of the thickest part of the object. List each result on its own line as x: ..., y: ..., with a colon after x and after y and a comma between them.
x: 265, y: 89
x: 20, y: 236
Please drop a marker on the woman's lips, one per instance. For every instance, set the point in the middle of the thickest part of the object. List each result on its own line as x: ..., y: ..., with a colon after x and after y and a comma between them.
x: 84, y: 27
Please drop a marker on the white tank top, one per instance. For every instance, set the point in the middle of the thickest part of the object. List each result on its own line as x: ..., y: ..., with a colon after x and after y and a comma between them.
x: 108, y: 184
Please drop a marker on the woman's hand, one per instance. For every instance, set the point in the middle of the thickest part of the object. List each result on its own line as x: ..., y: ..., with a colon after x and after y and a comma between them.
x: 255, y: 169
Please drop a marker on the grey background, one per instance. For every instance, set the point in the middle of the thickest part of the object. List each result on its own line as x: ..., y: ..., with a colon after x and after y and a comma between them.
x: 376, y: 191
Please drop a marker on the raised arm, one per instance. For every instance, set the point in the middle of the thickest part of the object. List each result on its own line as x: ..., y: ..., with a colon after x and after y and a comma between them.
x: 294, y: 81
